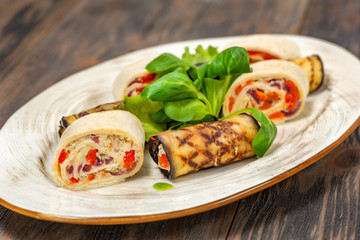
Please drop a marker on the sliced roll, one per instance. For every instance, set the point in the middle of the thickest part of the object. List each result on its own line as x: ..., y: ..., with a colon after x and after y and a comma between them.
x: 211, y: 144
x: 277, y: 87
x: 265, y: 47
x: 99, y: 150
x: 313, y: 66
x: 132, y: 80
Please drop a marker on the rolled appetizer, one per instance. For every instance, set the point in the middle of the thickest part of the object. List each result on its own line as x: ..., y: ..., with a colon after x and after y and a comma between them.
x: 265, y: 47
x: 314, y: 69
x: 98, y: 150
x: 179, y: 152
x: 277, y: 87
x: 132, y: 80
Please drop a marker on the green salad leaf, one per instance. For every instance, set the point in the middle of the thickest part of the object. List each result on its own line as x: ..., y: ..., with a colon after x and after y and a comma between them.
x: 144, y: 109
x: 167, y: 62
x: 188, y: 93
x: 186, y: 110
x: 201, y: 55
x: 267, y: 133
x: 171, y: 87
x: 234, y: 60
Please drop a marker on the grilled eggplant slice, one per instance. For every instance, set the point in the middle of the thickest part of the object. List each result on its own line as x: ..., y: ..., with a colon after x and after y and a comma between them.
x: 179, y: 152
x: 314, y: 68
x: 68, y: 120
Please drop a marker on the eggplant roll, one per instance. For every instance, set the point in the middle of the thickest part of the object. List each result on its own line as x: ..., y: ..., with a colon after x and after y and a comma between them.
x: 314, y: 68
x: 265, y: 47
x: 179, y: 152
x: 98, y: 150
x: 132, y: 80
x: 277, y: 87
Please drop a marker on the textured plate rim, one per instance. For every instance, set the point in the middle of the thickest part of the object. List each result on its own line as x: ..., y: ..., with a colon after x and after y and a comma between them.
x: 198, y: 209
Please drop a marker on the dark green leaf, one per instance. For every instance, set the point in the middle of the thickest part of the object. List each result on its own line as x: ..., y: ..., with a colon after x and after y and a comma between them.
x: 171, y: 87
x: 267, y: 133
x: 186, y: 110
x: 167, y: 62
x: 234, y: 60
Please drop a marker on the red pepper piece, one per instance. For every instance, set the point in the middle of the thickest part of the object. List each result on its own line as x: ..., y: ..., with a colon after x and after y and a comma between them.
x: 63, y: 155
x: 91, y: 177
x: 231, y: 103
x: 73, y: 180
x: 239, y: 88
x: 276, y: 115
x: 270, y: 98
x: 260, y: 55
x: 129, y: 159
x: 163, y: 161
x: 91, y: 157
x: 148, y: 78
x: 139, y: 90
x: 292, y: 96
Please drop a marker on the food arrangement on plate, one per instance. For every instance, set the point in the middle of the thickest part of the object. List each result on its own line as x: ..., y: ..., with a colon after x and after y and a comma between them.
x: 202, y: 110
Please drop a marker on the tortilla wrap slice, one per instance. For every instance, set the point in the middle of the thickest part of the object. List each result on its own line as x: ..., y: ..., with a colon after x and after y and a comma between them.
x: 265, y: 47
x: 132, y: 79
x: 99, y: 150
x: 277, y: 87
x: 210, y: 144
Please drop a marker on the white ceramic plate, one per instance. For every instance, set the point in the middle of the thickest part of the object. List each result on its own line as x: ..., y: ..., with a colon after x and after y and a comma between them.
x: 29, y: 138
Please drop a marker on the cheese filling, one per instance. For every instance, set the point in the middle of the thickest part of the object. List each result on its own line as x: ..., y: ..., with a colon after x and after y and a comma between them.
x: 97, y: 156
x: 163, y: 161
x: 277, y: 98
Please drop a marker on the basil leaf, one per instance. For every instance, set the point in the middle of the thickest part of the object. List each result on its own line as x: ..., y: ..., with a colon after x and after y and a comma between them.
x: 186, y: 110
x: 161, y: 117
x: 144, y: 108
x: 201, y: 55
x: 173, y: 86
x: 167, y: 62
x: 266, y: 134
x: 234, y: 60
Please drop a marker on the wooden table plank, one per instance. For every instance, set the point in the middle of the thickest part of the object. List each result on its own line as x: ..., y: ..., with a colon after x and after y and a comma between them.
x: 93, y: 31
x: 23, y: 24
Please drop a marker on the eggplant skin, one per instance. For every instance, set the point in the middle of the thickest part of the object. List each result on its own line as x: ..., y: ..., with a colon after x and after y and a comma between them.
x: 68, y: 120
x: 205, y: 145
x: 314, y: 69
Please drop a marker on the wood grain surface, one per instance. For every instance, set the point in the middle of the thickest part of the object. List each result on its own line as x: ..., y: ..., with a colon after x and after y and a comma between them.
x: 45, y: 41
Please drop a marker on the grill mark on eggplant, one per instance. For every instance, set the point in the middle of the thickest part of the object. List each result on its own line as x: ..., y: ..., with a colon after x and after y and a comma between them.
x: 185, y: 140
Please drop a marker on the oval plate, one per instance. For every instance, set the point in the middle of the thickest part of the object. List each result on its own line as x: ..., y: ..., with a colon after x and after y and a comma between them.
x: 29, y: 138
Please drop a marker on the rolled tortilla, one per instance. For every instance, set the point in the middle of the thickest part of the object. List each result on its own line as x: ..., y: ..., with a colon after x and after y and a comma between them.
x: 98, y: 150
x: 132, y: 80
x: 179, y: 152
x: 277, y: 87
x: 265, y: 47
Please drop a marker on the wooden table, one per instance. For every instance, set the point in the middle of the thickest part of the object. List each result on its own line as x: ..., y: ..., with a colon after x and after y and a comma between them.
x: 44, y: 41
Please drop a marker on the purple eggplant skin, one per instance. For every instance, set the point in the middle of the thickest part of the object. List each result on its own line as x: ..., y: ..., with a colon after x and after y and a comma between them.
x: 154, y: 143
